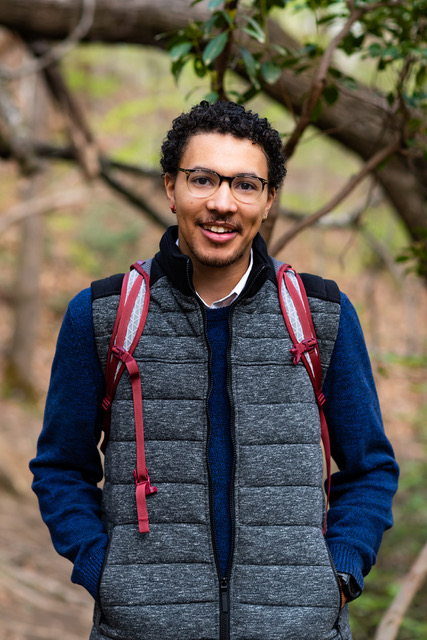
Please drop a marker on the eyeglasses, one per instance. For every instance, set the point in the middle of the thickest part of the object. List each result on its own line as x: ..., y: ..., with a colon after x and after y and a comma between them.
x: 203, y: 183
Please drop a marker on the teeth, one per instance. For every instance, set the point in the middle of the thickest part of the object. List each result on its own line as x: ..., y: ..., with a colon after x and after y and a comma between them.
x: 215, y: 229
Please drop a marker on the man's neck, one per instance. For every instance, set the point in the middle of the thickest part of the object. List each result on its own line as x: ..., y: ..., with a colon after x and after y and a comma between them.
x: 215, y: 283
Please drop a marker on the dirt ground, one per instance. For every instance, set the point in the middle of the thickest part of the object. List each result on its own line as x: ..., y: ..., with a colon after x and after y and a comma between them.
x: 37, y: 599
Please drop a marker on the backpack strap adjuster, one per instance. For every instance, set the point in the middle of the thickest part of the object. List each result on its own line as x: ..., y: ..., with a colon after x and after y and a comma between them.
x: 299, y: 348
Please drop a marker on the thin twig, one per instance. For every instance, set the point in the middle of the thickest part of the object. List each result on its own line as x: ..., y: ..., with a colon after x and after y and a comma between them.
x: 59, y: 51
x: 369, y: 166
x: 411, y: 584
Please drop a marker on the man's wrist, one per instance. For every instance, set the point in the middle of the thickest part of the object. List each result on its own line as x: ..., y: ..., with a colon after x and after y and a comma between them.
x: 349, y: 586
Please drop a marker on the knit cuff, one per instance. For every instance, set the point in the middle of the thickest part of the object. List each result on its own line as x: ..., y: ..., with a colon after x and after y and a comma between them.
x: 88, y: 573
x: 347, y: 561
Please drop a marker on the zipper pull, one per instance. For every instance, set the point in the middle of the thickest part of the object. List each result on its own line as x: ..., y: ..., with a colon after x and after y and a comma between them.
x: 224, y: 595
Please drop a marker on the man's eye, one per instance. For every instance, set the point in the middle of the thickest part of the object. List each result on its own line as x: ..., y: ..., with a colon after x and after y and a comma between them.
x: 247, y: 185
x: 201, y: 181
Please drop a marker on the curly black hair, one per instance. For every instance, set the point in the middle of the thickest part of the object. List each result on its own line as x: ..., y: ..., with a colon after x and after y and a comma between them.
x: 224, y: 117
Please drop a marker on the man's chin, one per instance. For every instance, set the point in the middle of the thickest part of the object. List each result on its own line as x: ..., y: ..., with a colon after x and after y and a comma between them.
x: 216, y: 261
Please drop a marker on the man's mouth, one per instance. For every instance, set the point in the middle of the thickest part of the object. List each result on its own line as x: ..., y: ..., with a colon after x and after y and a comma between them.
x: 216, y: 228
x: 219, y: 227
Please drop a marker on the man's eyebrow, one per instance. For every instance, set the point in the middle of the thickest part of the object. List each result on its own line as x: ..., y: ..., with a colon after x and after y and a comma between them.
x: 246, y: 174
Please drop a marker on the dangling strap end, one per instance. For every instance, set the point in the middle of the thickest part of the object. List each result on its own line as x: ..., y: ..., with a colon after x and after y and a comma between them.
x: 320, y: 399
x: 143, y: 488
x: 106, y: 403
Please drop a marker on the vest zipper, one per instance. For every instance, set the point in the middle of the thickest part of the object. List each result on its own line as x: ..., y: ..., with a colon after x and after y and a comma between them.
x: 224, y: 581
x: 224, y: 595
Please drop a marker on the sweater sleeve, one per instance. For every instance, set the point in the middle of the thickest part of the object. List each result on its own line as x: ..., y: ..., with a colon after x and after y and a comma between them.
x: 67, y: 467
x: 363, y: 488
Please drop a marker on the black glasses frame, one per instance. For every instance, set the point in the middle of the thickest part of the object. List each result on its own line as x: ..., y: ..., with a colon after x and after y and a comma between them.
x: 229, y: 179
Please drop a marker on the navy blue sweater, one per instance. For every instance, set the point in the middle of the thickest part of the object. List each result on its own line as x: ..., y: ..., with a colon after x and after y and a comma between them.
x: 68, y: 466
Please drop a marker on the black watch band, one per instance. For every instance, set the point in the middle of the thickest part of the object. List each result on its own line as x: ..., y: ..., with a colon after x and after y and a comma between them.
x: 349, y: 586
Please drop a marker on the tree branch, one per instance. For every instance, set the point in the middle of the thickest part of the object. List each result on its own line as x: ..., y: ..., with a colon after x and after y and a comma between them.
x: 132, y: 197
x: 79, y: 130
x: 59, y: 51
x: 68, y: 153
x: 372, y: 164
x: 412, y: 582
x: 40, y: 206
x: 319, y: 82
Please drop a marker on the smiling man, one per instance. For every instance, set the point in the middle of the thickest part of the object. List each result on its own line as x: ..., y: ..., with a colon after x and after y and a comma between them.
x: 235, y: 548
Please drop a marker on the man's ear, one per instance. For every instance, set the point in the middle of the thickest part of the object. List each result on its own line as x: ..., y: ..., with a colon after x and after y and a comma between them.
x: 270, y: 200
x: 170, y: 189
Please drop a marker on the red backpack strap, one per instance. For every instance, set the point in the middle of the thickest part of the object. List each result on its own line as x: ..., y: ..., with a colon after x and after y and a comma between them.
x: 129, y: 324
x: 299, y: 322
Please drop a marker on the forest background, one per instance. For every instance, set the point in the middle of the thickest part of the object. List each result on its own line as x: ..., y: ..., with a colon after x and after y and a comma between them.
x: 81, y: 197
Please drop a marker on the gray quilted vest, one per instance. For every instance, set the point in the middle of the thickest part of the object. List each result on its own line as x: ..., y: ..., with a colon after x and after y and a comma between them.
x: 165, y: 584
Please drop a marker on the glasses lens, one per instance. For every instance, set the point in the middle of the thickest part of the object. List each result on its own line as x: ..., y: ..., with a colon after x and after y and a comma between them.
x: 202, y: 182
x: 246, y: 188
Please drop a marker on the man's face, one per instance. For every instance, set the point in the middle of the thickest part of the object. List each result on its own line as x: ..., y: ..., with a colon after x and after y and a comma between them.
x: 218, y: 230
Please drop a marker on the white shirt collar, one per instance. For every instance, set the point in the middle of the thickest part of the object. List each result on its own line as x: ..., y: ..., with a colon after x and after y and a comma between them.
x: 235, y: 292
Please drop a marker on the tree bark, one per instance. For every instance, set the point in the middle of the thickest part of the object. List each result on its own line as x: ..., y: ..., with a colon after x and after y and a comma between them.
x: 360, y: 120
x: 19, y: 361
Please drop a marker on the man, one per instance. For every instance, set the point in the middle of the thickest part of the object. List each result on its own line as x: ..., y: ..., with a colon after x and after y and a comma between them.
x: 235, y: 548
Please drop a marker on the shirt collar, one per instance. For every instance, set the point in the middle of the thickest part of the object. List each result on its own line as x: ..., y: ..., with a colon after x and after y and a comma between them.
x: 234, y: 293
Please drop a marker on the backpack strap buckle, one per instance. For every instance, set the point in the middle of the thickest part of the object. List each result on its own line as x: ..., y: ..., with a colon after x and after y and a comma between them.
x: 305, y: 346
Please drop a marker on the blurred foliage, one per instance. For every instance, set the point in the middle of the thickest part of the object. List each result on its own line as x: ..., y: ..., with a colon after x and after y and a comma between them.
x: 405, y: 540
x: 392, y: 34
x: 399, y: 550
x: 387, y: 39
x: 415, y: 255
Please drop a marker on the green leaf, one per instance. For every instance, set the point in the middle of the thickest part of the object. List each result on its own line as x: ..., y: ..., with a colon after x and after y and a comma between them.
x: 255, y: 30
x: 212, y: 96
x: 180, y: 50
x: 351, y: 43
x: 390, y: 98
x: 177, y: 68
x: 214, y: 48
x: 199, y: 68
x: 214, y: 4
x: 375, y: 50
x: 331, y: 94
x: 250, y: 65
x: 248, y: 95
x: 228, y: 19
x: 317, y: 111
x: 421, y: 76
x: 271, y: 72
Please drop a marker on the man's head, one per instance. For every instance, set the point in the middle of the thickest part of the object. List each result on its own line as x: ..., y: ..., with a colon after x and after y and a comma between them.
x: 222, y: 167
x: 224, y: 118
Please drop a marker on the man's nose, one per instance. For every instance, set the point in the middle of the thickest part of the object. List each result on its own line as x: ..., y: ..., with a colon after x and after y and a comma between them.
x: 223, y: 199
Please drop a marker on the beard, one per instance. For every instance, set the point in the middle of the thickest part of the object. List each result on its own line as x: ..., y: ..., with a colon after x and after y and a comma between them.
x: 216, y: 261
